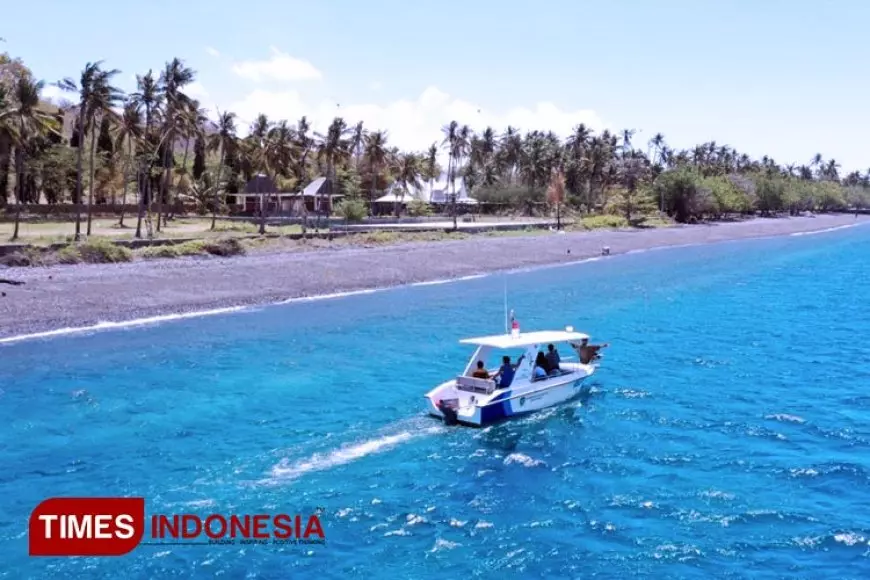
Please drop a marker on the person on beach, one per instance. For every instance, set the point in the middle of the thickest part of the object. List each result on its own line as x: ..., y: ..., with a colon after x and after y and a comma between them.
x: 588, y: 352
x: 553, y: 358
x: 505, y: 375
x: 480, y: 372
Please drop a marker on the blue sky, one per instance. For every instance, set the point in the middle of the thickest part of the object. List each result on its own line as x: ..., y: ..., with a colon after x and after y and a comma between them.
x: 785, y: 78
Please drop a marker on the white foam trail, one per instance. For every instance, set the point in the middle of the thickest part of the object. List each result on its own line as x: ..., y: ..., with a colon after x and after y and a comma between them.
x: 286, y: 471
x: 125, y: 324
x: 331, y: 296
x: 450, y: 280
x: 824, y: 231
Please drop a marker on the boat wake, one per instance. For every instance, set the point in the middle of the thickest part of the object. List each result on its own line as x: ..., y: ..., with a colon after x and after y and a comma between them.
x: 288, y: 470
x: 826, y: 230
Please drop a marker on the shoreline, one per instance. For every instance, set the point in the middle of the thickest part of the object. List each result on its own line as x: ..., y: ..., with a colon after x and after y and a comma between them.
x: 62, y: 300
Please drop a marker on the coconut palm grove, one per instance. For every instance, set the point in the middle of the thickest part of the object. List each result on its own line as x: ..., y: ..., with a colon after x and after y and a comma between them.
x: 158, y: 149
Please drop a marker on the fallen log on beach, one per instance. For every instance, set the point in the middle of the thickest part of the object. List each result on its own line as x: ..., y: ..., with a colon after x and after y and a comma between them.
x: 13, y: 282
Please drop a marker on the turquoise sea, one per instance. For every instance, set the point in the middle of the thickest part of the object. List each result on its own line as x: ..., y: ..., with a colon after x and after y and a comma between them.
x: 727, y: 433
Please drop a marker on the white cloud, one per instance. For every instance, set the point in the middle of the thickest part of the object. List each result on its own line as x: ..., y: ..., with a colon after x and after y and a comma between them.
x: 212, y: 51
x: 195, y: 90
x: 281, y: 67
x: 53, y: 93
x: 412, y: 124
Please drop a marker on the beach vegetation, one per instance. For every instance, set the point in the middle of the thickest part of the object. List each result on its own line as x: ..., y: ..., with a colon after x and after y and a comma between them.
x: 352, y: 209
x: 156, y: 153
x: 101, y: 251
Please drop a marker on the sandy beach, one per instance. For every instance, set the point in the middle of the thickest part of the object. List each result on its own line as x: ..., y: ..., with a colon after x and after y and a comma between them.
x: 82, y: 295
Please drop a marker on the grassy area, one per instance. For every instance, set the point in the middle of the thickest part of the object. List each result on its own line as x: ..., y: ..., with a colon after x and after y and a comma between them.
x: 50, y: 232
x: 225, y: 240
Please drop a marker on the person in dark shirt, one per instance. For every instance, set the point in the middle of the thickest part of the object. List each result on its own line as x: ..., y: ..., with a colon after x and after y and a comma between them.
x: 480, y: 372
x: 505, y: 375
x: 541, y: 367
x: 553, y: 358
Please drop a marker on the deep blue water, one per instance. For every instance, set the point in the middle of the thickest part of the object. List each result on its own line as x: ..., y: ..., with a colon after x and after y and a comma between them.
x: 727, y: 433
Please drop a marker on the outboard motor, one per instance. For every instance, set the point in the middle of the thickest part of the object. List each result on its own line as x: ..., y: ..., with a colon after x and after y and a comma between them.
x: 450, y: 417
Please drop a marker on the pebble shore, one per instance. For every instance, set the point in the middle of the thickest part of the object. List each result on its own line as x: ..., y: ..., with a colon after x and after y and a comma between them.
x: 86, y: 294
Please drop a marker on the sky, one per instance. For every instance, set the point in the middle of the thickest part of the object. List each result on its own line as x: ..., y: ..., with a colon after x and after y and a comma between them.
x: 783, y: 78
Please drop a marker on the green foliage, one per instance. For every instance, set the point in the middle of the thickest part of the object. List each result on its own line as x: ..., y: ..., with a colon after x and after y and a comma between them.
x: 58, y: 173
x: 349, y: 182
x: 199, y: 157
x: 352, y: 209
x: 624, y: 202
x: 105, y: 145
x: 419, y: 208
x: 518, y: 196
x: 598, y: 222
x: 100, y: 251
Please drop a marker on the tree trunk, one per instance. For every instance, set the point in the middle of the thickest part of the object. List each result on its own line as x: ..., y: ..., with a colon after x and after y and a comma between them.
x: 262, y: 196
x: 183, y: 172
x: 91, y: 184
x: 126, y: 181
x: 217, y: 186
x: 19, y: 186
x: 142, y: 188
x: 372, y: 188
x: 164, y: 188
x: 79, y: 172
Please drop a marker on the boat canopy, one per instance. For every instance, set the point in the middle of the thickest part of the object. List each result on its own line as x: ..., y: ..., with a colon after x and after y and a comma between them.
x: 525, y: 339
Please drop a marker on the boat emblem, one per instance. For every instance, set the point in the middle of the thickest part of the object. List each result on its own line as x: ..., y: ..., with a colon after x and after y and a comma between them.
x: 522, y: 401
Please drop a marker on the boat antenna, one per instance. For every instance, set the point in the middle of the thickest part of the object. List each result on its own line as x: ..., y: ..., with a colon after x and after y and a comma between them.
x: 506, y: 329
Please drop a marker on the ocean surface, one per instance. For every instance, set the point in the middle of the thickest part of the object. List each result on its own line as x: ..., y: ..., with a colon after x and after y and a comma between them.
x: 727, y: 433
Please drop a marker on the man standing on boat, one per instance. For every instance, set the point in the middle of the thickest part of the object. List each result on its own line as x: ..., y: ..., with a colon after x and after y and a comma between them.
x: 505, y: 375
x: 588, y: 352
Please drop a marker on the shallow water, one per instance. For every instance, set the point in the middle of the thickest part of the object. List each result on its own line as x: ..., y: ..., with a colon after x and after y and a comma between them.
x: 726, y: 434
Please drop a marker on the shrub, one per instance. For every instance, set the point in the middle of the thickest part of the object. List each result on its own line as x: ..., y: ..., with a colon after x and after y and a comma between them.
x: 191, y: 248
x: 169, y: 251
x: 103, y: 251
x: 604, y: 221
x: 352, y: 209
x: 224, y: 247
x: 69, y: 255
x: 16, y: 259
x: 419, y: 208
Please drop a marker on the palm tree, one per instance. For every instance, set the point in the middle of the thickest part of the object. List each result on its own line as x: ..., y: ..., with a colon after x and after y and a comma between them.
x: 103, y: 98
x: 174, y: 78
x: 25, y: 122
x: 224, y: 141
x: 92, y: 80
x: 357, y: 141
x: 431, y: 171
x: 149, y: 97
x: 407, y: 171
x: 129, y: 133
x: 191, y: 126
x: 258, y: 156
x: 334, y: 148
x: 375, y: 145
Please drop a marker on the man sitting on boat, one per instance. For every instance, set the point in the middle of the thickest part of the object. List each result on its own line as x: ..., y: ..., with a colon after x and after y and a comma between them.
x: 506, y: 372
x: 480, y: 372
x: 588, y: 352
x: 541, y: 369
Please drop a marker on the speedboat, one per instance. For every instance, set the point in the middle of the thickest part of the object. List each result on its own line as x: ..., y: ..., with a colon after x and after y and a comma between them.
x: 476, y: 402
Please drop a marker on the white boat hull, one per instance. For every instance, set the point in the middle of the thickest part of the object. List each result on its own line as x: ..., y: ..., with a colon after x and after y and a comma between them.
x: 478, y: 410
